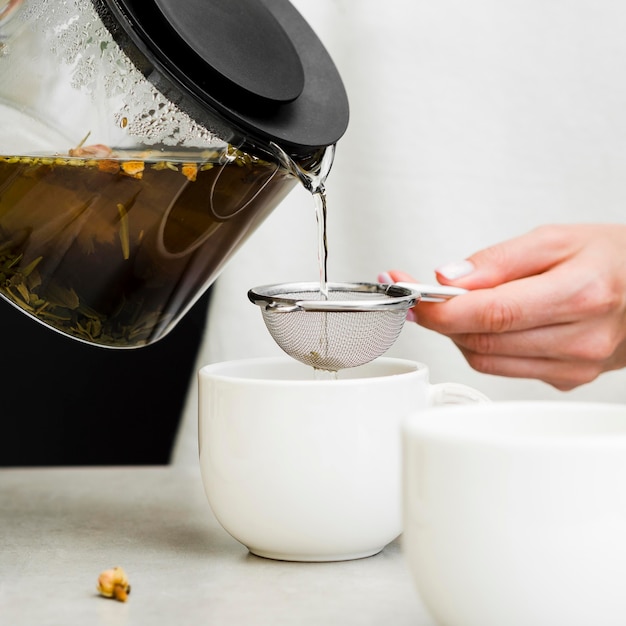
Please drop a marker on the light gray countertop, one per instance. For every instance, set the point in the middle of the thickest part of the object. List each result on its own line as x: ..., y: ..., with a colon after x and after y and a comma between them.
x: 59, y: 528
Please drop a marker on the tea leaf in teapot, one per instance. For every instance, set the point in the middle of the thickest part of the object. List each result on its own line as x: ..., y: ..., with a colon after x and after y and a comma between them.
x: 63, y: 296
x: 124, y: 232
x: 27, y: 271
x: 24, y: 292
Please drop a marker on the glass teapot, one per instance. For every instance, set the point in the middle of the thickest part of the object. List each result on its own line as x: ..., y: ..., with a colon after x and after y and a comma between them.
x: 141, y: 143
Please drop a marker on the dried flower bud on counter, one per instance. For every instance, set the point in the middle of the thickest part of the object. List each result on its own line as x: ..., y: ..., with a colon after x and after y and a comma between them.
x: 113, y: 583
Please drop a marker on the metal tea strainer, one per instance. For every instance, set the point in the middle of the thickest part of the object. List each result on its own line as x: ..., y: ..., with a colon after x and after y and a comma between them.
x: 354, y: 324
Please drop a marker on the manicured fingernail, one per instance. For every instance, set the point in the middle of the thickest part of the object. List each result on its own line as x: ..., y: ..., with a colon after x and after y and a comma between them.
x: 456, y: 269
x: 384, y: 277
x: 411, y: 316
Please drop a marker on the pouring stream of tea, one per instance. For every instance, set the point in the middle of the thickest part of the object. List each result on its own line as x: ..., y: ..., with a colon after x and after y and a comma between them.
x: 314, y: 181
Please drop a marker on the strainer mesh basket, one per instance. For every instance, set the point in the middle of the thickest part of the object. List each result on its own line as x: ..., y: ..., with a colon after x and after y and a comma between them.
x: 335, y: 339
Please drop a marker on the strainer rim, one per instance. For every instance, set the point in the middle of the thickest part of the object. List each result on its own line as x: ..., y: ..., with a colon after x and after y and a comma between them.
x: 392, y: 297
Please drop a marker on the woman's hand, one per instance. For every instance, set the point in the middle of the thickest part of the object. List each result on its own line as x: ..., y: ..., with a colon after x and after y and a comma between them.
x: 550, y: 305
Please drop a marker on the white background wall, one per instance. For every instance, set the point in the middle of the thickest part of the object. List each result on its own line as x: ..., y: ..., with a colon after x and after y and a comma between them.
x: 471, y: 122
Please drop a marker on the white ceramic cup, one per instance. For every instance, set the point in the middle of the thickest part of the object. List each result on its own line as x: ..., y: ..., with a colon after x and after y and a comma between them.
x: 515, y: 513
x: 304, y: 469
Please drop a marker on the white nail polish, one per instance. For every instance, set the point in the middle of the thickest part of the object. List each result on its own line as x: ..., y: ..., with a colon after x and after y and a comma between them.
x: 456, y: 269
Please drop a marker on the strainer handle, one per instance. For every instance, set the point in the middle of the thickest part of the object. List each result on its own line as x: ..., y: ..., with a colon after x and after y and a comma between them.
x: 433, y: 293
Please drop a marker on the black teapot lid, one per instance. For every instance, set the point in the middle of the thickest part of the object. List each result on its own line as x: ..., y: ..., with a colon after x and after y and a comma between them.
x: 252, y: 70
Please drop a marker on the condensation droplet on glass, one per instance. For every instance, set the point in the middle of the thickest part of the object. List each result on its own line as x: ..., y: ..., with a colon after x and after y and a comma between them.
x: 99, y: 67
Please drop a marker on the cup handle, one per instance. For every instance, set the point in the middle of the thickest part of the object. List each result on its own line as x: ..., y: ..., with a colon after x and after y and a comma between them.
x: 455, y: 393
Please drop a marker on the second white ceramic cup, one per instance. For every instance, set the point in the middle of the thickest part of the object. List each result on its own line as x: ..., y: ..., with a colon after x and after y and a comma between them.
x: 297, y: 468
x: 515, y: 513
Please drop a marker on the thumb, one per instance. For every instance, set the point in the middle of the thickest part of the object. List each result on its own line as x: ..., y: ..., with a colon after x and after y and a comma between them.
x: 523, y: 256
